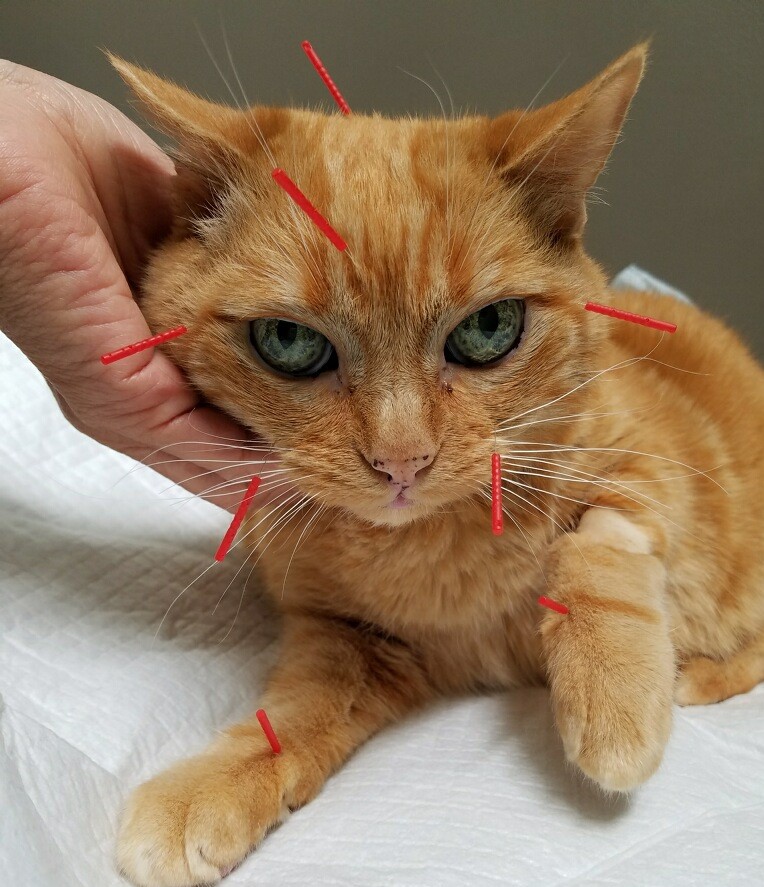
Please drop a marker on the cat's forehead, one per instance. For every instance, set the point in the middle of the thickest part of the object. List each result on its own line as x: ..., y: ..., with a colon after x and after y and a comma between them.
x: 384, y: 165
x: 413, y: 201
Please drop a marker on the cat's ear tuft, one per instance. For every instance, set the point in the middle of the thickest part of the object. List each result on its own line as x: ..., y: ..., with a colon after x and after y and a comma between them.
x: 193, y: 122
x: 552, y: 156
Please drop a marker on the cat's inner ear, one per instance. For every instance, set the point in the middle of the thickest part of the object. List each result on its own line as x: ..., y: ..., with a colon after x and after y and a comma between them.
x: 215, y: 145
x: 551, y: 157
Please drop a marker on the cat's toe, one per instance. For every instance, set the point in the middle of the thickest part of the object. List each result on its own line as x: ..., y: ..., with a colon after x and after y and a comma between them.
x: 618, y: 748
x: 152, y: 850
x: 194, y: 824
x: 618, y: 768
x: 614, y: 721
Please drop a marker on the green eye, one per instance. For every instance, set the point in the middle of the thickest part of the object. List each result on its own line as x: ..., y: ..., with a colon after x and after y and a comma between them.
x: 291, y: 347
x: 487, y: 334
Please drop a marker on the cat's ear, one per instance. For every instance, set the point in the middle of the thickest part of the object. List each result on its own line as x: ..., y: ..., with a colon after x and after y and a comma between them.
x: 214, y: 143
x: 554, y: 155
x: 210, y: 131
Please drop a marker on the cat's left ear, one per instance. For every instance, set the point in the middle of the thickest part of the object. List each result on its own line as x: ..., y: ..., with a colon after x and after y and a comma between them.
x: 552, y: 156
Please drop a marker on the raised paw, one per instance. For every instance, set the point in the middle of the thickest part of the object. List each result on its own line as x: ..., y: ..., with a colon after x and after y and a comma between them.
x: 612, y: 696
x: 194, y: 823
x: 617, y: 744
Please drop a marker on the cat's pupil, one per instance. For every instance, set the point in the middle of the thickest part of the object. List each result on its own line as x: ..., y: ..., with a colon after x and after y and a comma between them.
x: 287, y: 333
x: 488, y: 321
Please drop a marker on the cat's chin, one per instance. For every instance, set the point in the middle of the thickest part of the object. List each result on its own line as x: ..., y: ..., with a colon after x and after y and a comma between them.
x: 398, y: 517
x: 392, y: 515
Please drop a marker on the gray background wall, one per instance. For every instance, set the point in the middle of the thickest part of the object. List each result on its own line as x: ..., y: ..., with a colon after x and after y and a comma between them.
x: 684, y: 187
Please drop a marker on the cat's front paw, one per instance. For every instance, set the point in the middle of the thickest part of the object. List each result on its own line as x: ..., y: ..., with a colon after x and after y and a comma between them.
x: 615, y: 742
x: 194, y: 823
x: 612, y: 698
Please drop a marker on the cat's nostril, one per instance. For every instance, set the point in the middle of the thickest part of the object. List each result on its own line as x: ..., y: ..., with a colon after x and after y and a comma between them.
x: 401, y: 472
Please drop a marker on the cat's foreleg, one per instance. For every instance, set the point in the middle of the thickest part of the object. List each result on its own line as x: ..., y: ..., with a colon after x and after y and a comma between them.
x: 334, y: 686
x: 610, y: 661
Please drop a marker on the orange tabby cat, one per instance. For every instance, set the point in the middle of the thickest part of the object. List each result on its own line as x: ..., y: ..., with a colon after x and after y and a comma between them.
x: 385, y: 377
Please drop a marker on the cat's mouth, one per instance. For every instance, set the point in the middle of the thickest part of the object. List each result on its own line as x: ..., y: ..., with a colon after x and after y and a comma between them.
x: 400, y: 501
x: 392, y: 512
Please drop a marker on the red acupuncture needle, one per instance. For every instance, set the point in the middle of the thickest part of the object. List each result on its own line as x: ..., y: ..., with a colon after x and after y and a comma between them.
x: 237, y: 519
x: 641, y: 319
x: 324, y: 75
x: 268, y: 730
x: 553, y: 605
x: 496, y: 512
x: 159, y: 339
x: 283, y: 180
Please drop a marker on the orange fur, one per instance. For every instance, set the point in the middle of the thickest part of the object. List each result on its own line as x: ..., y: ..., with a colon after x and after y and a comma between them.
x: 633, y: 483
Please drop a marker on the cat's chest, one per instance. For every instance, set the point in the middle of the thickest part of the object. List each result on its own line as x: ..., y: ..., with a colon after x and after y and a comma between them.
x: 442, y: 575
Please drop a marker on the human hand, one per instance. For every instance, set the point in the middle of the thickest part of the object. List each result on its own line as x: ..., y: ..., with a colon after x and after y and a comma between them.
x: 84, y: 195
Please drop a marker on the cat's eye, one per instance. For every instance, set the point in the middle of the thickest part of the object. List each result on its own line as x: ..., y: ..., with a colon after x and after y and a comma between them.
x: 488, y: 334
x: 291, y: 348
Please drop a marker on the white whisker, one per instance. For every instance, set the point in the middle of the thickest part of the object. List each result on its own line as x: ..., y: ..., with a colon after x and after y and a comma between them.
x: 629, y: 361
x: 586, y: 478
x: 545, y: 448
x: 223, y: 489
x: 514, y: 520
x: 539, y: 492
x: 562, y: 529
x: 179, y: 596
x: 445, y: 127
x: 565, y: 464
x: 468, y: 228
x: 450, y: 157
x: 308, y: 525
x: 235, y: 480
x: 272, y: 512
x: 580, y: 416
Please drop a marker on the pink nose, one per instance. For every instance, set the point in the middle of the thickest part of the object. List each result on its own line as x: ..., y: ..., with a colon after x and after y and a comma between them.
x: 401, y: 472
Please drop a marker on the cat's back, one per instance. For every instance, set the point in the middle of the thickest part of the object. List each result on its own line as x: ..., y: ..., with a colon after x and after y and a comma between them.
x: 704, y: 360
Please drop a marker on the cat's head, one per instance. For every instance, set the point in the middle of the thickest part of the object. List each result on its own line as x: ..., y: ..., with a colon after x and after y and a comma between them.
x: 384, y: 373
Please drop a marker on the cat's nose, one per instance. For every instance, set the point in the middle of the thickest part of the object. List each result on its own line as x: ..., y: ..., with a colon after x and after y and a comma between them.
x: 401, y: 472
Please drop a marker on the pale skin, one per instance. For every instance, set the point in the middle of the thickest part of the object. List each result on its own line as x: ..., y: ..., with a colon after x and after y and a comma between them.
x: 84, y: 196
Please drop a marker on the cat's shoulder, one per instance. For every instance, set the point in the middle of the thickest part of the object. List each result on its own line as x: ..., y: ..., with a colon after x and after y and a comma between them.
x: 704, y: 360
x: 700, y: 334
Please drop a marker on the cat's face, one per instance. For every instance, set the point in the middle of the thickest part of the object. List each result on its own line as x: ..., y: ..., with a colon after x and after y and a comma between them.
x: 383, y: 373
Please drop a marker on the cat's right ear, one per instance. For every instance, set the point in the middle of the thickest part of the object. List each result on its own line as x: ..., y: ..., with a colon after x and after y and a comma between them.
x: 214, y: 143
x: 209, y: 133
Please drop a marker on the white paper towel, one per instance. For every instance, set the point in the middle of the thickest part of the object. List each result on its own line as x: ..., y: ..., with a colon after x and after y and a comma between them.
x: 94, y: 700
